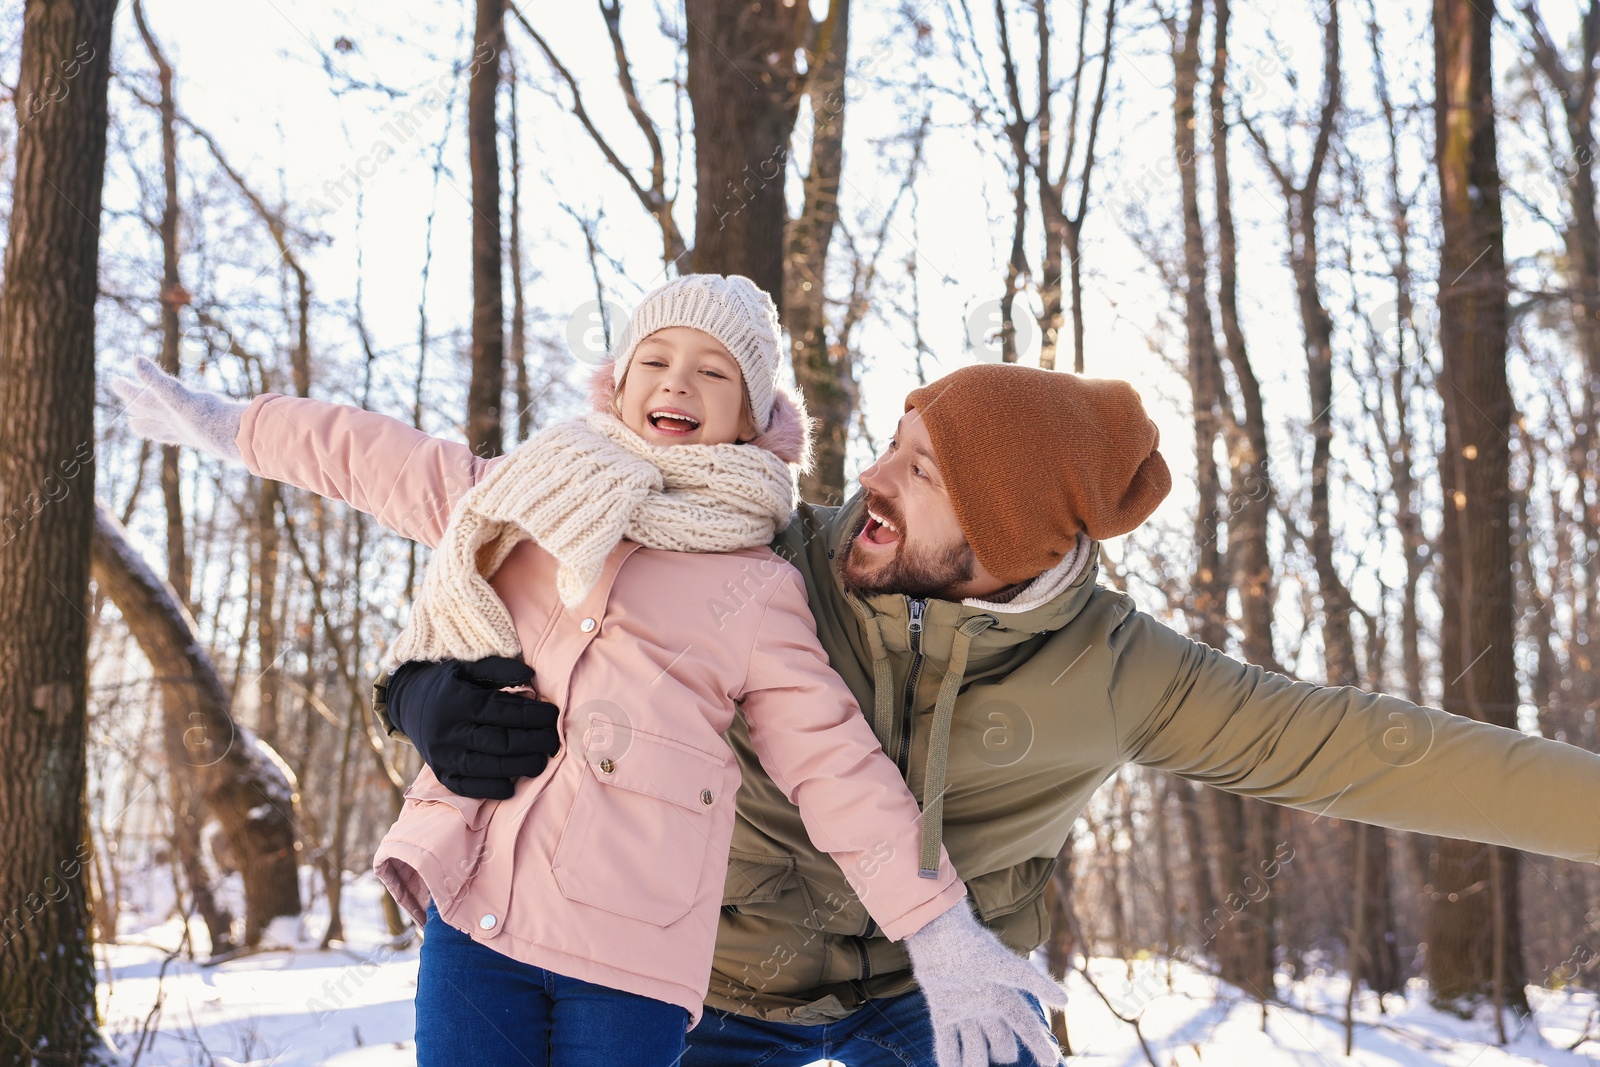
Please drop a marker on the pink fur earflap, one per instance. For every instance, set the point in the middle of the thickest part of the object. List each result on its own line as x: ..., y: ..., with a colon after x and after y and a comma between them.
x: 602, y: 388
x: 788, y: 434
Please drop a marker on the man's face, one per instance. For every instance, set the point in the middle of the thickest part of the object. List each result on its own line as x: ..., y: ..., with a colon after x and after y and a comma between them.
x: 907, y: 540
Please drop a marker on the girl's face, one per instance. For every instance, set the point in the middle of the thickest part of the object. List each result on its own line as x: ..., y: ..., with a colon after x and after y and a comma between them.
x: 684, y: 388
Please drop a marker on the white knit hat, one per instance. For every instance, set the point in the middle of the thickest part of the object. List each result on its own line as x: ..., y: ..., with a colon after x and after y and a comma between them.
x: 729, y: 307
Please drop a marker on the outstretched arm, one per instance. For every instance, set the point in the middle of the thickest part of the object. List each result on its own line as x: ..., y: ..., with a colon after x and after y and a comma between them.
x: 407, y: 480
x: 477, y: 739
x: 1187, y: 708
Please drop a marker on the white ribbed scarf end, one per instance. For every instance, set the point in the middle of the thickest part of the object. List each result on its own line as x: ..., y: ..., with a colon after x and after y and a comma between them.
x: 578, y: 488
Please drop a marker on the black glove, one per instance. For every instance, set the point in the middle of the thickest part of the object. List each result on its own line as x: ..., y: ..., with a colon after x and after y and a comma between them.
x: 477, y: 739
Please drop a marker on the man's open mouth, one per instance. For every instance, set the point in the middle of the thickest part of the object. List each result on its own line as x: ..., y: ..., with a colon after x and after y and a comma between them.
x: 673, y: 422
x: 879, y: 530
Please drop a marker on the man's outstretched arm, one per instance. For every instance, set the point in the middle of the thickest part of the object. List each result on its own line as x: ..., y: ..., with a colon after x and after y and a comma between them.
x: 1187, y: 708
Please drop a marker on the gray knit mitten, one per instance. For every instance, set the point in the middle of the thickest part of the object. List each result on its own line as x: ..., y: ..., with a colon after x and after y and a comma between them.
x: 164, y: 409
x: 974, y: 986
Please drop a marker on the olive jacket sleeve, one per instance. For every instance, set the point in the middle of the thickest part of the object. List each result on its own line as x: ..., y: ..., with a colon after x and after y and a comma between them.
x: 1184, y: 707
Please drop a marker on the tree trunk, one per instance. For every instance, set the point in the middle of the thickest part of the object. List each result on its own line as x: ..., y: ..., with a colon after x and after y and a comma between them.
x: 484, y: 394
x: 1208, y: 608
x: 356, y: 723
x: 269, y: 682
x: 1204, y: 901
x: 1016, y: 131
x: 47, y: 467
x: 1052, y: 214
x: 243, y: 783
x: 521, y: 389
x: 1251, y: 492
x: 742, y: 85
x: 172, y: 298
x: 1575, y: 84
x: 188, y: 822
x: 1401, y: 383
x: 1062, y: 233
x: 1243, y: 943
x: 1378, y: 958
x: 1473, y: 931
x: 824, y: 371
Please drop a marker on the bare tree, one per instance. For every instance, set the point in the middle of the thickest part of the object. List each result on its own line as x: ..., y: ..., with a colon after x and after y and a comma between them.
x: 521, y: 390
x: 1573, y: 80
x: 217, y: 767
x: 269, y: 496
x: 655, y: 198
x: 47, y: 336
x: 485, y: 435
x: 824, y: 371
x: 1042, y: 147
x: 1015, y: 126
x: 1242, y: 828
x: 1251, y: 495
x: 1063, y: 232
x: 1474, y: 937
x: 173, y: 297
x: 743, y: 85
x: 1303, y: 198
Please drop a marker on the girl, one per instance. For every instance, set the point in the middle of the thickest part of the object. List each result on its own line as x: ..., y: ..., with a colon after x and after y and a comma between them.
x: 623, y: 556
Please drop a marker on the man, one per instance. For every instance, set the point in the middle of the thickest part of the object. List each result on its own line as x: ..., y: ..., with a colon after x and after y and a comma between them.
x: 956, y: 595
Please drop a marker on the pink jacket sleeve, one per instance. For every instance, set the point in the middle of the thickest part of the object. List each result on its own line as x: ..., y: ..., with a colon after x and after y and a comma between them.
x: 408, y: 481
x: 812, y: 739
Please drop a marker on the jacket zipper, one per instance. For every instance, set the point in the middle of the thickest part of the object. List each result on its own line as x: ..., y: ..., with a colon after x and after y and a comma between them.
x: 903, y: 761
x: 866, y: 961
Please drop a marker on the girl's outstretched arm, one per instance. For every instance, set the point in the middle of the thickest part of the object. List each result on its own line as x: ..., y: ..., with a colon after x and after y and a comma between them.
x: 407, y: 480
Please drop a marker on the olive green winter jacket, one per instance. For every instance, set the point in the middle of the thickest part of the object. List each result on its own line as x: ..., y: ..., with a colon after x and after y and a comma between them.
x: 1026, y: 713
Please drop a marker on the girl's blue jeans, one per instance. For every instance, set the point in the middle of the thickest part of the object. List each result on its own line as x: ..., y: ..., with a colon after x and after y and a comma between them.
x: 479, y: 1007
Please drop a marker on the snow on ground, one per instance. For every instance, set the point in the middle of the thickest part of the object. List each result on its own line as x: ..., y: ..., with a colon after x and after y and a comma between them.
x: 1201, y: 1021
x: 299, y: 1007
x: 295, y: 1007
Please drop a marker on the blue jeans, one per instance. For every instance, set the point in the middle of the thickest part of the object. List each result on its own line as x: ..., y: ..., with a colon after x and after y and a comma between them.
x: 885, y: 1033
x: 475, y: 1006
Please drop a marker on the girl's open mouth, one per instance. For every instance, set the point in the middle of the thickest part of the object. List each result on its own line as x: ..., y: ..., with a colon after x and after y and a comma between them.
x: 673, y: 423
x: 878, y: 530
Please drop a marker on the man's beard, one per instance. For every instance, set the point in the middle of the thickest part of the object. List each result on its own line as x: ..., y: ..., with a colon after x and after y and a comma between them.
x: 913, y: 572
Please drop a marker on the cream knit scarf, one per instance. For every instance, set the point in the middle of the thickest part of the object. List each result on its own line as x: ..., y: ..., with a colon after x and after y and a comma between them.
x: 578, y: 488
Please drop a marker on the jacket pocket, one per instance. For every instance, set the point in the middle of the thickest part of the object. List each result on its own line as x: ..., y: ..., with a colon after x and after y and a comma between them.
x: 756, y: 879
x: 1011, y: 902
x: 639, y: 835
x: 1010, y: 889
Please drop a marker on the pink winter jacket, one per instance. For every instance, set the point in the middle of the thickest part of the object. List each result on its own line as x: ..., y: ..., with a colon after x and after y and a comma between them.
x: 609, y: 867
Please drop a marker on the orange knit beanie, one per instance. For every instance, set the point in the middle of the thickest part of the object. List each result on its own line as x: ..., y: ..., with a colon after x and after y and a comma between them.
x: 1030, y: 457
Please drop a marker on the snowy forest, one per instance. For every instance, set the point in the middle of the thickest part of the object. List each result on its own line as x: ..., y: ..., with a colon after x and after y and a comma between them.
x: 1330, y: 242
